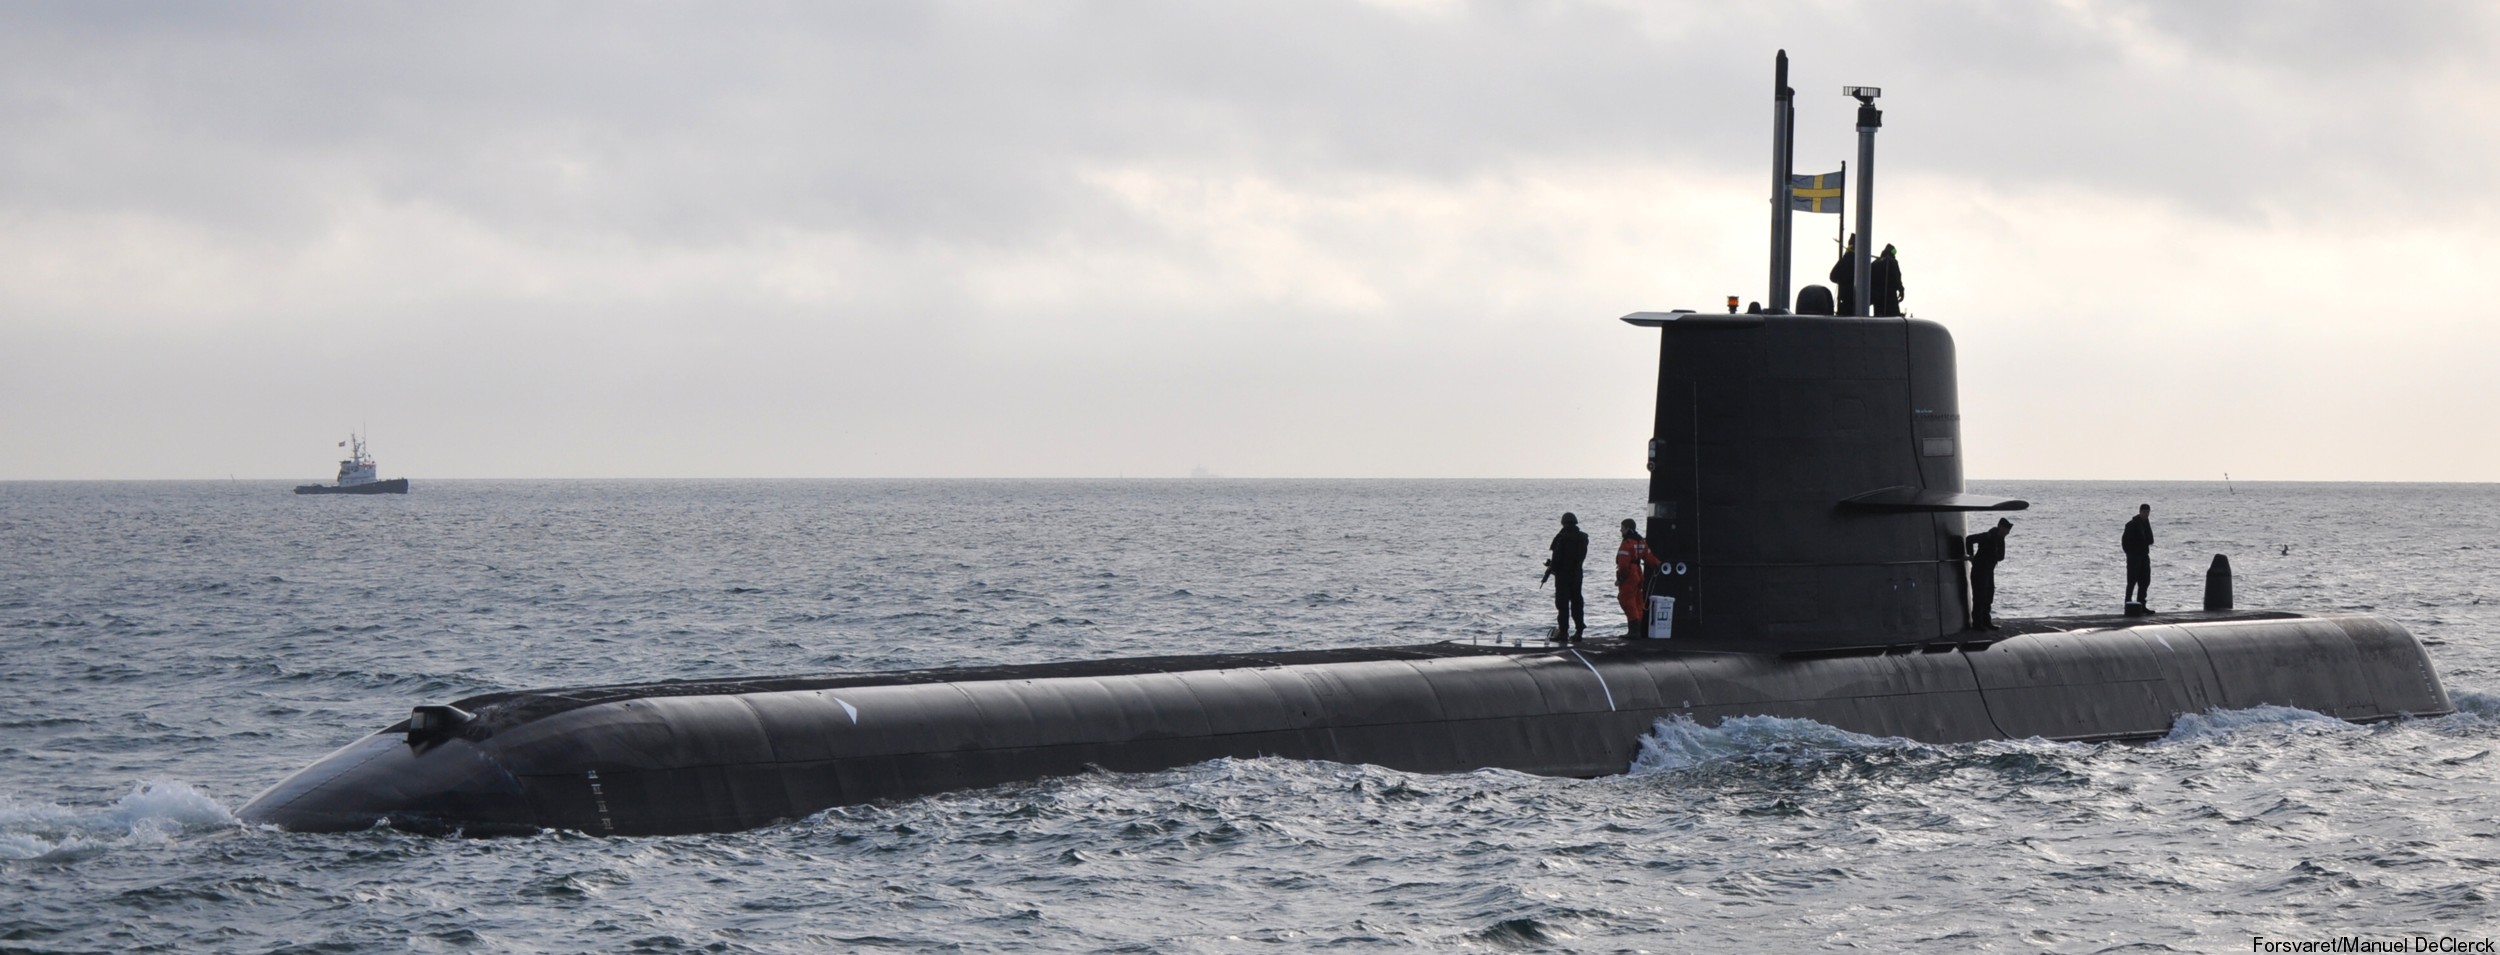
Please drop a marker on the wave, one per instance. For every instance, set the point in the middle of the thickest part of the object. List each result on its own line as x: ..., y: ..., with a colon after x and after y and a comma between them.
x: 2220, y: 722
x: 1678, y: 743
x: 152, y: 813
x: 2475, y: 703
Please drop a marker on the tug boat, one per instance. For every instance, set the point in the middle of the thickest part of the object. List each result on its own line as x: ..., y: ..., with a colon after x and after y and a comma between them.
x: 356, y: 475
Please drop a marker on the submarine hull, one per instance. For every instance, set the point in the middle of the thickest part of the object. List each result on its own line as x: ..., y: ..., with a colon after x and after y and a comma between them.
x: 708, y: 757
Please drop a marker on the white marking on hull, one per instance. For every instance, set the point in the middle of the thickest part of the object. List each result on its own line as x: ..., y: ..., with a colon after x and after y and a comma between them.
x: 1601, y: 679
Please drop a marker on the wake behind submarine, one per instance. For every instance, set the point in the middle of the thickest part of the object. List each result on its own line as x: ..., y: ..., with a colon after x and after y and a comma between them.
x: 1806, y: 497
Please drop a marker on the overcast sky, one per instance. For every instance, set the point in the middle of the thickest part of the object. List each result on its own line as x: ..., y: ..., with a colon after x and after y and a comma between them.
x: 1267, y: 239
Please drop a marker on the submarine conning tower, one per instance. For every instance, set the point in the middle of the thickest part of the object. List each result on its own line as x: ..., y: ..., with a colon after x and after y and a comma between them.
x: 1805, y: 482
x: 1805, y: 471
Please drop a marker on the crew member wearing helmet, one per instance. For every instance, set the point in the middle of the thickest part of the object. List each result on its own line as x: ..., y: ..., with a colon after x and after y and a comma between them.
x: 1571, y: 550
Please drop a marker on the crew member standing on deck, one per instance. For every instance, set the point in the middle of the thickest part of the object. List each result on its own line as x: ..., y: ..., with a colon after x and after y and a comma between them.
x: 1987, y: 548
x: 1845, y: 278
x: 1883, y: 278
x: 2138, y: 543
x: 1571, y: 552
x: 1633, y: 564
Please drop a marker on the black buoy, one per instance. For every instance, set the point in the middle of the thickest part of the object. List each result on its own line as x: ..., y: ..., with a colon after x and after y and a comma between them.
x: 2218, y: 584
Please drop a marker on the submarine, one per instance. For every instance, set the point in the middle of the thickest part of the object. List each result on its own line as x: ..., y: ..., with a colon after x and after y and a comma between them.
x: 1806, y: 500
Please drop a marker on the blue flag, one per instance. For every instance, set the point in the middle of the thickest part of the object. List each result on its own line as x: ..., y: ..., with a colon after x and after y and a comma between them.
x: 1815, y: 193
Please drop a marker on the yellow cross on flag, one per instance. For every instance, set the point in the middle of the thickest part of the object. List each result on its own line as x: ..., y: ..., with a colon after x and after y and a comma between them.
x: 1815, y: 193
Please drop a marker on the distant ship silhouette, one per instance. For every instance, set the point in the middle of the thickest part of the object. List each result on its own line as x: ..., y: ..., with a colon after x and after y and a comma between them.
x: 356, y: 474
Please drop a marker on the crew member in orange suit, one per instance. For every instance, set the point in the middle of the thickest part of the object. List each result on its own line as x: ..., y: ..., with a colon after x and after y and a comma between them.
x: 1633, y: 564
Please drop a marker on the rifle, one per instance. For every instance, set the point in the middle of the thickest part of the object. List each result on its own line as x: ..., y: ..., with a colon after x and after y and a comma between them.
x: 1549, y: 573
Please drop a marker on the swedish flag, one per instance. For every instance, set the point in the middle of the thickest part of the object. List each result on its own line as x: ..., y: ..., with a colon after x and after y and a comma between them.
x: 1815, y: 193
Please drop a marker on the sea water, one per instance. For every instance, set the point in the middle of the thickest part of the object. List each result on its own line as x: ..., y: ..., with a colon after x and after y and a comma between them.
x: 172, y: 648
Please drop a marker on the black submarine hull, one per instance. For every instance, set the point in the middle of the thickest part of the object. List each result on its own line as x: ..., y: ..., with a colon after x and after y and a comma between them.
x: 666, y: 758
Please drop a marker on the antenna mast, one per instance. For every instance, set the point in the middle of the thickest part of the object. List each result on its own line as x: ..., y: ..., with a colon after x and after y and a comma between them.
x: 1783, y: 164
x: 1870, y: 119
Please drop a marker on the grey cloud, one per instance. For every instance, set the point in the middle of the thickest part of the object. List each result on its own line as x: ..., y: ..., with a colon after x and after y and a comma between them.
x: 961, y: 120
x: 680, y: 123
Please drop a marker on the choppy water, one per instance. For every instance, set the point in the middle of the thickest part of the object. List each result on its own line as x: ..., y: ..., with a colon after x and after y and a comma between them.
x: 171, y: 648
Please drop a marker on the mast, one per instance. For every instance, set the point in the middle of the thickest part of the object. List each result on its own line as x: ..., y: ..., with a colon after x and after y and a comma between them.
x: 1783, y: 159
x: 1840, y: 220
x: 1870, y: 119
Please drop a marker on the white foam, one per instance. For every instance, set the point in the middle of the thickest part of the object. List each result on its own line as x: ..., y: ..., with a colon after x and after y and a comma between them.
x: 2220, y: 722
x: 1679, y: 743
x: 2476, y: 703
x: 153, y: 812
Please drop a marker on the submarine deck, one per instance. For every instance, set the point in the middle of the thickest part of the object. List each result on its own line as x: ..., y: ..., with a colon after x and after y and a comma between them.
x: 513, y: 707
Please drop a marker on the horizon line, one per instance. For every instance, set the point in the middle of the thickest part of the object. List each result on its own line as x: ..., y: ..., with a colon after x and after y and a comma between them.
x: 1185, y: 478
